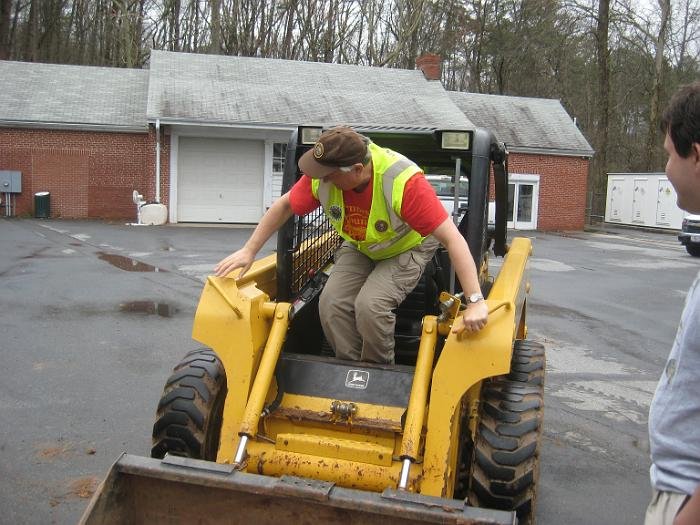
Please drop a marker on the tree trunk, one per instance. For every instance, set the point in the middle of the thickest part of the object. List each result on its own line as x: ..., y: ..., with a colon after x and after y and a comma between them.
x: 286, y: 51
x: 329, y: 35
x: 5, y: 9
x: 215, y: 47
x: 598, y: 180
x: 652, y: 144
x: 31, y: 36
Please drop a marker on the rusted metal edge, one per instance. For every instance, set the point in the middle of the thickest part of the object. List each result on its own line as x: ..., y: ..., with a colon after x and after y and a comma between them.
x: 208, y: 474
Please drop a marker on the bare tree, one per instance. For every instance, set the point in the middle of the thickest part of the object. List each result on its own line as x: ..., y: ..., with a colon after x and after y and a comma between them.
x: 5, y: 10
x: 215, y: 45
x: 31, y: 35
x: 684, y: 40
x: 655, y: 99
x: 597, y: 179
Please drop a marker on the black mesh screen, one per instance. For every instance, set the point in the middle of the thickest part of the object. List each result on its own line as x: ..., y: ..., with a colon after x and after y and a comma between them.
x: 314, y: 243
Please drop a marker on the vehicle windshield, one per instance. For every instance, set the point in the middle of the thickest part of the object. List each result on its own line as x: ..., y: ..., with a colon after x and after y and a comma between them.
x: 444, y: 186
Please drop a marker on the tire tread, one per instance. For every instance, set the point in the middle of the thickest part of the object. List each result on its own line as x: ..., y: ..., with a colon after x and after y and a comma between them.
x: 188, y: 418
x: 506, y: 450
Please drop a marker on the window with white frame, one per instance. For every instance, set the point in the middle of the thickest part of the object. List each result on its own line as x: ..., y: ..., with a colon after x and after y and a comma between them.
x: 279, y: 152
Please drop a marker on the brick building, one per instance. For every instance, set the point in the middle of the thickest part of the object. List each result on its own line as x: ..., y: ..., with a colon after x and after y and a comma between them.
x: 548, y: 162
x: 79, y: 133
x: 88, y: 135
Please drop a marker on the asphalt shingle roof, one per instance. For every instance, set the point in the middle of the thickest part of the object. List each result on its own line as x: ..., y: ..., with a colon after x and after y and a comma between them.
x: 225, y: 90
x: 243, y: 90
x: 534, y: 125
x: 52, y: 95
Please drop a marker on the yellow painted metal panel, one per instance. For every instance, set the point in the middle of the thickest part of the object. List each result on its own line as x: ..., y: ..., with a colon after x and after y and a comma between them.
x: 232, y: 318
x: 463, y: 363
x: 272, y: 427
x: 360, y: 451
x: 318, y: 409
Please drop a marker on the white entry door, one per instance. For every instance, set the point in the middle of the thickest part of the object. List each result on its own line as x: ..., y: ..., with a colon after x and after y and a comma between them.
x: 666, y: 207
x: 617, y: 201
x: 523, y: 194
x: 639, y: 200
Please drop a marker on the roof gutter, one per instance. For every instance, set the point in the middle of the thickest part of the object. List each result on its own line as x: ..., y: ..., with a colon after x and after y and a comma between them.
x: 278, y: 126
x: 551, y: 151
x: 73, y: 126
x: 222, y: 124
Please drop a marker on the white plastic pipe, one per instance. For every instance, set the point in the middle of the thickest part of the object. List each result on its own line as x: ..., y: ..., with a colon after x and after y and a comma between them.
x: 158, y: 160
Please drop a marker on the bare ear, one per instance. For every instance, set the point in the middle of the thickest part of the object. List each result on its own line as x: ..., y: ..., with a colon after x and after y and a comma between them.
x: 695, y: 155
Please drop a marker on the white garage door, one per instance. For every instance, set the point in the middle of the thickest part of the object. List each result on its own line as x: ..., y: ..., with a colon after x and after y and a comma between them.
x: 219, y: 180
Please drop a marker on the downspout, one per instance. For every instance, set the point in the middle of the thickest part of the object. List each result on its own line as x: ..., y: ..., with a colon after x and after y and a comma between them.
x: 158, y: 160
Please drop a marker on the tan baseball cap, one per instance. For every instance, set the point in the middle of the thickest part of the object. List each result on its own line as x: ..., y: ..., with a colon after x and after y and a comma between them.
x: 335, y: 148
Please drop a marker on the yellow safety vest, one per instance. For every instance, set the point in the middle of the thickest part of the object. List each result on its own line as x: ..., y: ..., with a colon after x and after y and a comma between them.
x: 387, y: 234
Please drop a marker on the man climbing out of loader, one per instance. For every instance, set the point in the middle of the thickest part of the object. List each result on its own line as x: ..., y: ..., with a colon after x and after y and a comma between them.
x: 391, y: 221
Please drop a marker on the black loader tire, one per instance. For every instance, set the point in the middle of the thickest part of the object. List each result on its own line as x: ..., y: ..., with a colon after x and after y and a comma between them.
x: 188, y: 420
x: 693, y: 249
x: 506, y: 452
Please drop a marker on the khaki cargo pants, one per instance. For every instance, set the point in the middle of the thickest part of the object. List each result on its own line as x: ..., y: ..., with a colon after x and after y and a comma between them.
x: 357, y: 302
x: 664, y: 507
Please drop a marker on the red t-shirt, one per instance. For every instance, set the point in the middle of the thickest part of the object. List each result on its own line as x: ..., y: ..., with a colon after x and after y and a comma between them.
x: 420, y: 209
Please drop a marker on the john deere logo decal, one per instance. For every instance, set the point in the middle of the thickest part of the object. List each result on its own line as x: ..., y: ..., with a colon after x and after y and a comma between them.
x: 318, y: 150
x: 335, y: 212
x: 381, y: 226
x: 357, y: 379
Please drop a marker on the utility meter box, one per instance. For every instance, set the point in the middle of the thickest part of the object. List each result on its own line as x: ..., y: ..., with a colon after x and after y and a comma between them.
x: 10, y: 181
x: 642, y: 199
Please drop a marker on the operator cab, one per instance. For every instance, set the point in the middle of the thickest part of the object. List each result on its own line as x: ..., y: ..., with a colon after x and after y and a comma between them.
x: 305, y: 245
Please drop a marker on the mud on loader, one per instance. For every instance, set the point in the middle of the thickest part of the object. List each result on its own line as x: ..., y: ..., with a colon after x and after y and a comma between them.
x: 264, y: 425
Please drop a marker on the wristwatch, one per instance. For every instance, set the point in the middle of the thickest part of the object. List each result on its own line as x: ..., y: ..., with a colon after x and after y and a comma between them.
x: 474, y: 298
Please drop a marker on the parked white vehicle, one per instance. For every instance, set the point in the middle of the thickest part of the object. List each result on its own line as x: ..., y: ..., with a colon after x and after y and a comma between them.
x: 444, y: 187
x: 690, y: 234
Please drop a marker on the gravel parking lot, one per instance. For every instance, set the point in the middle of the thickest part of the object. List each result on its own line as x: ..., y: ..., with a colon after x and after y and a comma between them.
x: 96, y: 314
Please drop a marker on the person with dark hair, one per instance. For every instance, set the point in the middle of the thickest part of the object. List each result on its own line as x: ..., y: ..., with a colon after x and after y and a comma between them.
x: 391, y: 222
x: 674, y: 416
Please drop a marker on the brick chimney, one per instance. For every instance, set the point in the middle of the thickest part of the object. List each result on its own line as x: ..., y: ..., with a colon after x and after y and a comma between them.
x: 431, y: 65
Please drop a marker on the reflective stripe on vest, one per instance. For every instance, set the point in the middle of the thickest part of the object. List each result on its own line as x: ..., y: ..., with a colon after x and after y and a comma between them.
x: 391, y: 172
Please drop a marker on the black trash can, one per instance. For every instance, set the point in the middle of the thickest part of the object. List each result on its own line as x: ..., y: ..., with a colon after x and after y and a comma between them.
x: 42, y: 205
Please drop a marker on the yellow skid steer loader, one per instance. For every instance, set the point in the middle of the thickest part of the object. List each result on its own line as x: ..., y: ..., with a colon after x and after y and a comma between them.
x: 264, y: 425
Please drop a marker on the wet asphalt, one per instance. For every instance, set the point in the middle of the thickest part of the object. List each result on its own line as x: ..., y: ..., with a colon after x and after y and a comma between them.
x: 94, y: 315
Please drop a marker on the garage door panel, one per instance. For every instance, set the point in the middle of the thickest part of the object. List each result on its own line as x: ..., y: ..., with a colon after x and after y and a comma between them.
x: 244, y: 197
x: 220, y: 180
x: 224, y: 214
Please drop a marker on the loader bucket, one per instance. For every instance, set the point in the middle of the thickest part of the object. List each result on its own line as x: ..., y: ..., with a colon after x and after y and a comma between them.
x: 141, y: 490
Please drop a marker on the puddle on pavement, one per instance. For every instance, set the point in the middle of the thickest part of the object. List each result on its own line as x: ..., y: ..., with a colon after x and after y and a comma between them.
x: 149, y: 308
x: 127, y: 263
